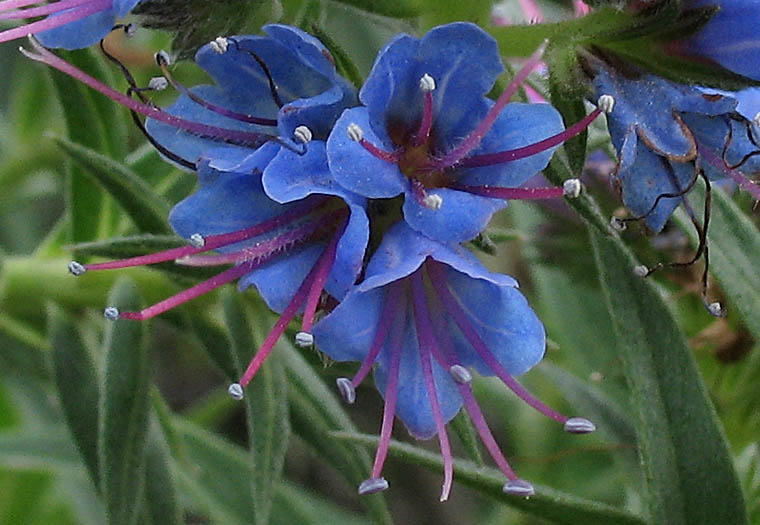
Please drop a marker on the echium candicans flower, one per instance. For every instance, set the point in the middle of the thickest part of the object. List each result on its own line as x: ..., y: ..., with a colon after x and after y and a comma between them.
x: 426, y: 130
x: 281, y: 88
x: 292, y: 253
x: 424, y: 315
x: 68, y: 24
x: 730, y: 38
x: 666, y: 134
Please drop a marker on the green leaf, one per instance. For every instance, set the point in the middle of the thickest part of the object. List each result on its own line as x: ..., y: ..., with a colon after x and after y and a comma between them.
x: 160, y: 490
x: 437, y: 12
x: 38, y: 448
x: 266, y: 406
x: 567, y: 97
x: 467, y: 435
x: 390, y: 8
x: 315, y: 412
x: 77, y: 384
x: 687, y: 465
x: 734, y: 252
x: 148, y: 210
x: 124, y: 410
x: 547, y: 503
x: 293, y: 504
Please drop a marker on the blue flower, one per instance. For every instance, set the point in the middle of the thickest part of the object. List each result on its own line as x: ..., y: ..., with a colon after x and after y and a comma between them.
x: 312, y: 240
x: 266, y: 87
x: 424, y: 315
x: 665, y: 133
x: 426, y: 130
x: 69, y: 24
x: 729, y: 38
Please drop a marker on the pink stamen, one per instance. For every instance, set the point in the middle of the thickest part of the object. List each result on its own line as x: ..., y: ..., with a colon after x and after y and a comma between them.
x: 323, y: 269
x: 241, y: 138
x: 43, y: 9
x: 387, y: 156
x: 390, y: 312
x: 265, y: 248
x: 473, y: 140
x: 55, y: 21
x: 532, y: 12
x: 288, y: 314
x: 213, y: 241
x: 191, y: 293
x: 418, y: 192
x: 581, y: 9
x: 736, y: 175
x: 391, y: 393
x: 427, y: 345
x: 489, y: 159
x: 438, y: 280
x: 15, y: 4
x: 423, y: 133
x: 513, y: 193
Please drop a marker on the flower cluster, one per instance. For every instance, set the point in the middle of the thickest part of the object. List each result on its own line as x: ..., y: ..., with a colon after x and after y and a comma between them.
x: 349, y: 209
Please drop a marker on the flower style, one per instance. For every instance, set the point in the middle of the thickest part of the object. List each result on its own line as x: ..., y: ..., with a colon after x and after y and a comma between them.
x: 290, y: 252
x: 420, y: 316
x: 729, y: 38
x: 666, y: 133
x: 69, y: 24
x: 427, y: 130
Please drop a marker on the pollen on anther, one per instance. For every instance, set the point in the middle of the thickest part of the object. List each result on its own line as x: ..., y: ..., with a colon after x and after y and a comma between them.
x: 579, y: 425
x: 346, y: 389
x: 304, y: 339
x: 756, y: 120
x: 518, y: 487
x: 219, y: 45
x: 355, y: 133
x: 111, y: 313
x: 76, y: 268
x: 130, y: 30
x: 617, y: 224
x: 427, y: 83
x: 571, y: 188
x: 640, y: 271
x: 162, y: 58
x: 606, y: 103
x: 235, y: 390
x: 158, y: 83
x: 302, y: 134
x: 432, y: 201
x: 460, y: 374
x: 197, y: 240
x: 716, y: 309
x: 372, y: 486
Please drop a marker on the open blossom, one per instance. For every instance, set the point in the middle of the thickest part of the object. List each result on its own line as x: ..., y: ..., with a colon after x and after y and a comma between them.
x: 729, y: 38
x: 424, y: 315
x: 69, y: 24
x: 291, y: 253
x: 666, y: 134
x: 266, y: 86
x: 427, y: 131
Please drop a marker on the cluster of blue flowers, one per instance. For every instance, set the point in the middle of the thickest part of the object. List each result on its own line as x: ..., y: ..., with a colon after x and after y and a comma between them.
x: 350, y: 209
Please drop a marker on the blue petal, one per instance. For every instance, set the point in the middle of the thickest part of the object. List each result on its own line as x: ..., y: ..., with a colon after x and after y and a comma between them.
x: 291, y: 177
x: 749, y: 102
x: 354, y: 167
x: 309, y: 49
x: 463, y: 60
x: 518, y: 125
x: 650, y: 177
x: 123, y: 7
x: 403, y: 250
x: 461, y: 216
x: 279, y: 280
x: 730, y: 37
x: 80, y: 33
x: 508, y: 326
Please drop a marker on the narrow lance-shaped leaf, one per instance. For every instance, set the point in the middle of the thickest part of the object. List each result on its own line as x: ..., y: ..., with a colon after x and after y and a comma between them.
x: 160, y: 491
x: 546, y: 503
x: 266, y: 406
x: 78, y: 388
x: 687, y: 465
x: 124, y: 410
x: 148, y: 210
